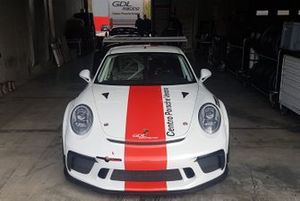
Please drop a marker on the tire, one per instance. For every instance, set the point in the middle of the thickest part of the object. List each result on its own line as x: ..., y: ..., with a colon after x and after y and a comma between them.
x: 66, y: 173
x: 283, y: 110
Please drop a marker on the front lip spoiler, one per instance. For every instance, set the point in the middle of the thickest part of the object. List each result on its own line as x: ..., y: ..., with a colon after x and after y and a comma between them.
x: 145, y: 142
x: 109, y: 192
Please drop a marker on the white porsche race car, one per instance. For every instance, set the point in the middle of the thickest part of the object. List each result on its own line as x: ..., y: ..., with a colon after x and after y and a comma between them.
x: 146, y: 123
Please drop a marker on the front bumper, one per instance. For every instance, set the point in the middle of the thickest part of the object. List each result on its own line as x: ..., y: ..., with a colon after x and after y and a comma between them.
x: 183, y: 166
x: 191, y: 174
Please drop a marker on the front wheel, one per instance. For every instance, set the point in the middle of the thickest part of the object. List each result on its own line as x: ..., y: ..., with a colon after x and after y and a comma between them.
x: 283, y: 109
x: 66, y: 173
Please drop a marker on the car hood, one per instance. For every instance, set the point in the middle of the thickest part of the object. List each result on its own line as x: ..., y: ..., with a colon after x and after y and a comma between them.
x: 145, y: 113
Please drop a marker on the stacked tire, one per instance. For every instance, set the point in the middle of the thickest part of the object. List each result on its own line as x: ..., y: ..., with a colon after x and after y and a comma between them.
x: 263, y: 73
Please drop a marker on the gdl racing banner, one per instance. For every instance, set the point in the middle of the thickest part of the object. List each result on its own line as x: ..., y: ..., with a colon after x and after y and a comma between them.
x: 125, y: 12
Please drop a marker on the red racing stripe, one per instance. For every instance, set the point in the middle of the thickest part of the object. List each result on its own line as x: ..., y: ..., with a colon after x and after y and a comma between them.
x: 145, y: 123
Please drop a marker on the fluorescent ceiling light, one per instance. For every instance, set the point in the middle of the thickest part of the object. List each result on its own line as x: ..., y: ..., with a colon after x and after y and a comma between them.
x: 283, y: 12
x: 262, y: 13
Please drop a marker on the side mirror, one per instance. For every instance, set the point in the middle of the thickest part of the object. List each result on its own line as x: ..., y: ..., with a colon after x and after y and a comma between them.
x: 205, y: 74
x: 86, y: 75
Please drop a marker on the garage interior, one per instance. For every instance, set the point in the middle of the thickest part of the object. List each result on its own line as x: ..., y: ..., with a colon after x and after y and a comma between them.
x: 244, y: 43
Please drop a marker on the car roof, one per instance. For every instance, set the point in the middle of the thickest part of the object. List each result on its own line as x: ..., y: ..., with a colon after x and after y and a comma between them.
x: 145, y: 48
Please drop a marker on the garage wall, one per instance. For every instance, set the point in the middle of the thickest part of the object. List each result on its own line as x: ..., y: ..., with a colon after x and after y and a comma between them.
x: 14, y: 45
x: 191, y: 13
x: 194, y: 14
x: 160, y: 15
x: 38, y: 30
x: 25, y: 36
x: 64, y: 10
x: 185, y: 11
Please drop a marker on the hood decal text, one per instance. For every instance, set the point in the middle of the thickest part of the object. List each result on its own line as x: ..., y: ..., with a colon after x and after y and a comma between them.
x: 170, y: 131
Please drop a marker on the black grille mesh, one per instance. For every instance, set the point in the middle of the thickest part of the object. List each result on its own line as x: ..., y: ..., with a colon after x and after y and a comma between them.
x: 147, y: 176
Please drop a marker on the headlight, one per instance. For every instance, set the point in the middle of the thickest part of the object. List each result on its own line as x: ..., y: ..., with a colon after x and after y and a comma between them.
x: 209, y: 118
x: 81, y: 119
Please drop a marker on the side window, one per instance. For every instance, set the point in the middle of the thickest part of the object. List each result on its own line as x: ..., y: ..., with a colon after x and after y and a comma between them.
x: 106, y: 69
x: 185, y: 69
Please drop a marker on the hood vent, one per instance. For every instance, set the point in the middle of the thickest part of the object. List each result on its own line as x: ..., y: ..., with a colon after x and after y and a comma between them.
x: 105, y: 95
x: 184, y: 94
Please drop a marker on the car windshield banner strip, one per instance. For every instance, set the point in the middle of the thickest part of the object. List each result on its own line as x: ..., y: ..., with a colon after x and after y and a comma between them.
x: 171, y: 39
x: 145, y: 123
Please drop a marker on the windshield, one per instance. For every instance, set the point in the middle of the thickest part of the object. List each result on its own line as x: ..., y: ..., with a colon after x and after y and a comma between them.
x: 145, y: 69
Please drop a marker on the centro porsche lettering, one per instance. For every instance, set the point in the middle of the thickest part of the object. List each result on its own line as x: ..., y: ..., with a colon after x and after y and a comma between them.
x: 169, y: 113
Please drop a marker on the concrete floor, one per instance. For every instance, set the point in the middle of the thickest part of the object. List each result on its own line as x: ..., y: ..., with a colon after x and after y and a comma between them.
x: 265, y: 146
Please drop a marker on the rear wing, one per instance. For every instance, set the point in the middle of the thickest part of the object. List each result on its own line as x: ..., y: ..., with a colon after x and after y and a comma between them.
x: 144, y: 40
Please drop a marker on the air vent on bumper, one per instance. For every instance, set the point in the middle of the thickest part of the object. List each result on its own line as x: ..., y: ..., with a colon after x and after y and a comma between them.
x: 80, y: 163
x: 212, y: 162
